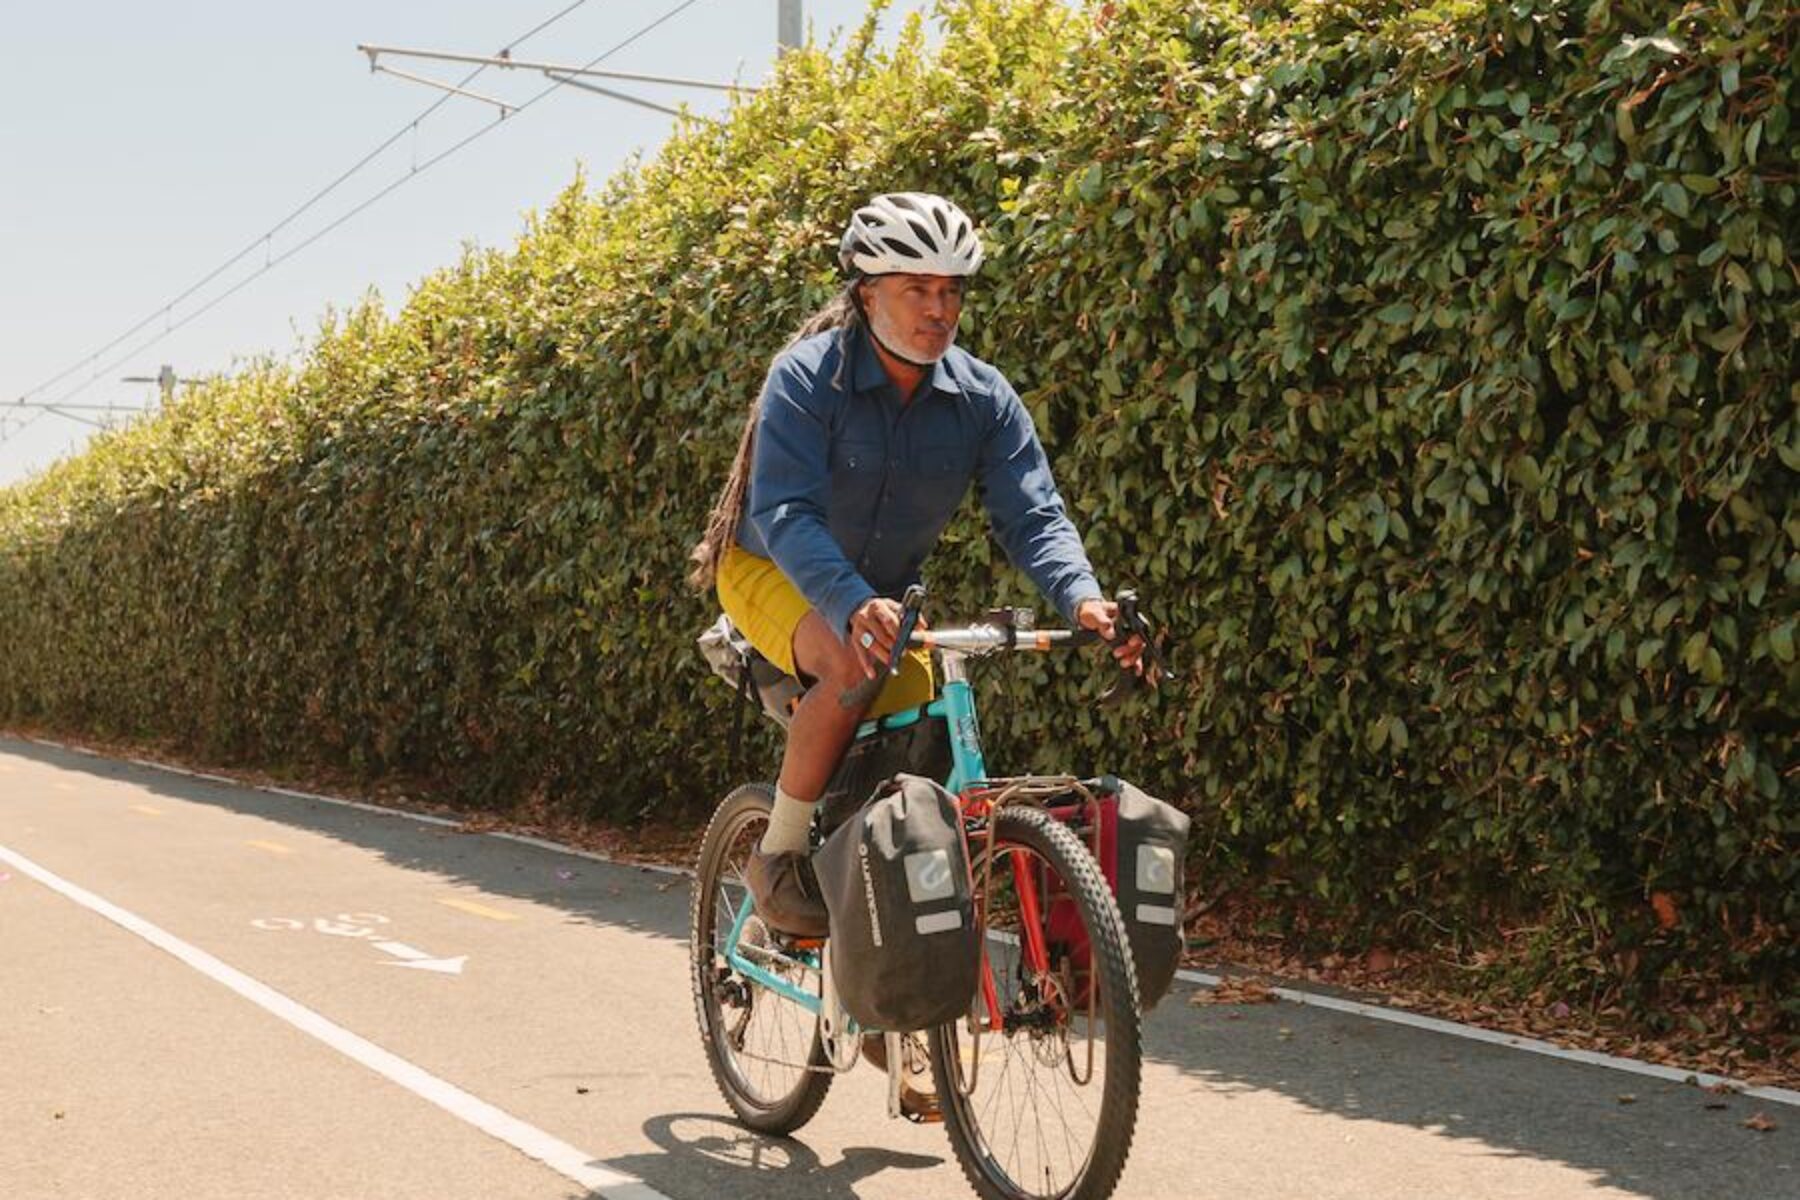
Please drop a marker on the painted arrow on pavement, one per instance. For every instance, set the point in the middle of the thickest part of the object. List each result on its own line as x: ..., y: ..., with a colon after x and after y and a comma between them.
x: 420, y: 960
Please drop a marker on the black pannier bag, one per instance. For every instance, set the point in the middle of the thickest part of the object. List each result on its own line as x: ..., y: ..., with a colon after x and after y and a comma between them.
x: 1143, y: 844
x: 904, y: 743
x: 905, y: 953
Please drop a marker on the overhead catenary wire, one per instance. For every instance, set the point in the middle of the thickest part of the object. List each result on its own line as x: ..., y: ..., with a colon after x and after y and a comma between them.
x: 506, y: 61
x: 418, y: 170
x: 263, y: 240
x: 652, y: 105
x: 452, y: 89
x: 8, y: 434
x: 88, y: 407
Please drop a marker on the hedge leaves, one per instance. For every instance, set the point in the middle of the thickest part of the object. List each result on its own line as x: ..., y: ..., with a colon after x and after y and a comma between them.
x: 1429, y: 366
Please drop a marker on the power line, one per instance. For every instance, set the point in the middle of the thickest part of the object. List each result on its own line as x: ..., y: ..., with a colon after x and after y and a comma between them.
x: 7, y: 435
x: 265, y: 238
x: 417, y: 170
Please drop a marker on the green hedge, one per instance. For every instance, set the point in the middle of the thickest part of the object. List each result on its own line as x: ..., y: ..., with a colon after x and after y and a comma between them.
x: 1428, y: 365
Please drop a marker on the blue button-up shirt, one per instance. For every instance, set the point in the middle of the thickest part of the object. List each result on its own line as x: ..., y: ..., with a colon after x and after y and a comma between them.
x: 850, y: 488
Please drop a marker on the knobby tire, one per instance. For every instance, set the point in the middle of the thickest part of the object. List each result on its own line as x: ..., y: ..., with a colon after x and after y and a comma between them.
x: 745, y: 810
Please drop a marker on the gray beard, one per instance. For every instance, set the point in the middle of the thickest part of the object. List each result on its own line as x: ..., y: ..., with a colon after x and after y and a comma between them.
x: 888, y: 336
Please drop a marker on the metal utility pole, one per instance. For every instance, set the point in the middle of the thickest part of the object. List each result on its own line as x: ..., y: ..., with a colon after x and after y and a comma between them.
x: 790, y: 24
x: 164, y: 380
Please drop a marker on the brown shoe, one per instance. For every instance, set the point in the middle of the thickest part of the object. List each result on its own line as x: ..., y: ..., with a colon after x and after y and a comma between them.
x: 918, y: 1095
x: 786, y: 893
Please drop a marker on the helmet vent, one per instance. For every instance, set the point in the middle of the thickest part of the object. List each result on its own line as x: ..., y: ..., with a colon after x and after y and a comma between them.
x: 911, y: 233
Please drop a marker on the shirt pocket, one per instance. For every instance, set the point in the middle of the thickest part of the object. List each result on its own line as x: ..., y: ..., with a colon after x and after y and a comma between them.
x: 858, y: 458
x: 944, y: 463
x: 858, y: 471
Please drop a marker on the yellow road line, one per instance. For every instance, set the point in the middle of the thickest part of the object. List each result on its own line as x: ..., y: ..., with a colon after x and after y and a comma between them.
x: 271, y: 847
x: 481, y: 910
x: 147, y: 810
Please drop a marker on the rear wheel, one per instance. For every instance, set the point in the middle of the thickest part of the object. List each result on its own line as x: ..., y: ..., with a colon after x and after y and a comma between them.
x: 763, y: 1047
x: 1045, y: 1105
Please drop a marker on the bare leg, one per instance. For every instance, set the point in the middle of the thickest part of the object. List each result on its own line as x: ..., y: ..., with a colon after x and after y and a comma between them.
x: 778, y: 874
x: 821, y: 727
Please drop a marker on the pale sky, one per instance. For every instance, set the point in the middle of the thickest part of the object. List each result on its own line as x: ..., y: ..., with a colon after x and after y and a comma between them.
x: 141, y: 146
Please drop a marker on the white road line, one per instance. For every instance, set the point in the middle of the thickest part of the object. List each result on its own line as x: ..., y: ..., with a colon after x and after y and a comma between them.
x: 1511, y: 1041
x: 424, y: 818
x: 559, y: 848
x: 1373, y: 1012
x: 558, y: 1155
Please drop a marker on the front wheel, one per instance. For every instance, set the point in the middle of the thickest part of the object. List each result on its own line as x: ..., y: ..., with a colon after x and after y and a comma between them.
x: 763, y: 1048
x: 1044, y: 1105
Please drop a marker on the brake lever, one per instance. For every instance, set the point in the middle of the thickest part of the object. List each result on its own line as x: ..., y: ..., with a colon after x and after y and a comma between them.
x: 864, y: 693
x: 1131, y: 621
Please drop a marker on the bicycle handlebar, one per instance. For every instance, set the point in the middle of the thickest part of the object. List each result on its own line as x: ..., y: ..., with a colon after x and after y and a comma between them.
x: 981, y: 638
x: 986, y: 638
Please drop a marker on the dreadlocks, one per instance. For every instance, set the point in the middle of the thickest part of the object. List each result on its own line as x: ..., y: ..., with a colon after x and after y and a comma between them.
x: 844, y: 313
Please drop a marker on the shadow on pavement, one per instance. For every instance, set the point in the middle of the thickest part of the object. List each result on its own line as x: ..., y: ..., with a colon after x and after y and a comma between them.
x: 710, y: 1154
x: 1664, y: 1143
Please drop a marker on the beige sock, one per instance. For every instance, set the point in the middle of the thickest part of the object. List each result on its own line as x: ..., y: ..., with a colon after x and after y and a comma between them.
x: 788, y: 823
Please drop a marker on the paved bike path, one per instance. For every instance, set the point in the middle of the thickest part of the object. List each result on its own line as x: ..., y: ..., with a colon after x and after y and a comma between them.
x: 569, y: 1011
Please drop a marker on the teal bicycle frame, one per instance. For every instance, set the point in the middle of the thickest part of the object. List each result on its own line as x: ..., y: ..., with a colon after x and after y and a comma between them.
x: 956, y: 705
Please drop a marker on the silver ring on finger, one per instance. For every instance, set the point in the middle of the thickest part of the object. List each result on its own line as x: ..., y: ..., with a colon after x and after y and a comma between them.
x: 867, y: 639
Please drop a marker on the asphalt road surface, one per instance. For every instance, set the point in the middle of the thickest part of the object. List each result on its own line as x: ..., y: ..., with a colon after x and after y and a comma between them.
x: 211, y: 991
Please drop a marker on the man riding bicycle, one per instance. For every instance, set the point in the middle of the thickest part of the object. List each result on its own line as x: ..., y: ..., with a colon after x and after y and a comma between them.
x: 870, y: 427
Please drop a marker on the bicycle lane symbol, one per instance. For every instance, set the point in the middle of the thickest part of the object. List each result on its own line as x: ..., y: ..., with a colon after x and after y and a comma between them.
x: 362, y: 926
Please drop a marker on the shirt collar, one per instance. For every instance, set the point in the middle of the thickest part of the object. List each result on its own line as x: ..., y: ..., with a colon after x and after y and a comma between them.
x: 870, y: 374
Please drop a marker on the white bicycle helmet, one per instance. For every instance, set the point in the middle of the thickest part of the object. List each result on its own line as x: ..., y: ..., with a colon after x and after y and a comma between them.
x: 914, y: 233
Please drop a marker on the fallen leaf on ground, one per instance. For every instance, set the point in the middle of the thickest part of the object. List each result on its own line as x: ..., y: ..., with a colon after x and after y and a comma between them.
x: 1237, y: 989
x: 1760, y: 1122
x: 1627, y: 1098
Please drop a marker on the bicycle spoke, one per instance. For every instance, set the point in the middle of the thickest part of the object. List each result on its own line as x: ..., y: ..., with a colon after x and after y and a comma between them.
x: 1032, y: 1127
x: 769, y: 1055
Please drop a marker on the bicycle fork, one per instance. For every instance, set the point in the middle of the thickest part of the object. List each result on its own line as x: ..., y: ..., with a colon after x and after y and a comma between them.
x: 1034, y: 964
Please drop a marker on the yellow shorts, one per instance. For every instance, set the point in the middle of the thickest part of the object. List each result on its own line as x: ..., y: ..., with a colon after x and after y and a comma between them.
x: 767, y: 609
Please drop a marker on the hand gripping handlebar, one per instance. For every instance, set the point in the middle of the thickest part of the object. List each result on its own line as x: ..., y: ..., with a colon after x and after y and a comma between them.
x: 982, y: 639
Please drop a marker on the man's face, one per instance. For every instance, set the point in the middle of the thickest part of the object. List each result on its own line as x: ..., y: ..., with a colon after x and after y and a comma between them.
x: 915, y: 315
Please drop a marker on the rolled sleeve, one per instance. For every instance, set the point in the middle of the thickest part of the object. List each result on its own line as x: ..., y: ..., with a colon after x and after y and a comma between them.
x: 1027, y: 511
x: 790, y: 480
